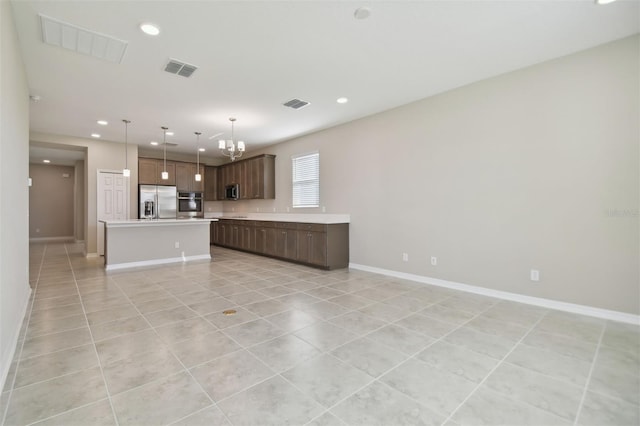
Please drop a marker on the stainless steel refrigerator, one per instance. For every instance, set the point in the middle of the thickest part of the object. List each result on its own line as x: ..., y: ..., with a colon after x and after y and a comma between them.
x: 157, y: 202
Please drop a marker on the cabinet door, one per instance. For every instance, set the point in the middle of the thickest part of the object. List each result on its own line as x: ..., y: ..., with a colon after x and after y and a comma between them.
x: 183, y: 176
x: 147, y: 171
x: 220, y: 175
x: 256, y: 167
x: 312, y: 244
x: 261, y: 239
x: 221, y: 229
x: 210, y: 183
x: 286, y: 243
x: 195, y: 185
x: 247, y: 237
x: 212, y: 233
x: 171, y: 169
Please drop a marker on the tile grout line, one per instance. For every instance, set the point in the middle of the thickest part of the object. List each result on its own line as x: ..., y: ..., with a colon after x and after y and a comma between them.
x: 93, y: 342
x: 168, y: 347
x: 19, y: 354
x: 593, y: 366
x: 500, y: 362
x: 414, y: 356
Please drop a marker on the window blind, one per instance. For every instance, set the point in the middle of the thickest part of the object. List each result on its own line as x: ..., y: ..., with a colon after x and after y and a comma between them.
x: 306, y: 180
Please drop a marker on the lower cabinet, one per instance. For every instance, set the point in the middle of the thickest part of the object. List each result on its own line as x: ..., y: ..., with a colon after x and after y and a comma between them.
x: 322, y: 245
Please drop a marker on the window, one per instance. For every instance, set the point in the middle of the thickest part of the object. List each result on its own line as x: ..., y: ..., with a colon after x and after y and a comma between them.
x: 306, y: 180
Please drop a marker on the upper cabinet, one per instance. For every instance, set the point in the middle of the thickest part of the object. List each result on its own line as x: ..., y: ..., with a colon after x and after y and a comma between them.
x: 210, y: 183
x: 255, y: 177
x: 186, y: 177
x: 150, y: 172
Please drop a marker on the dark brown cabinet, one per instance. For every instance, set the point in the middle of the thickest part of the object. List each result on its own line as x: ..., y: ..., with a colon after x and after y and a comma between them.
x: 254, y: 176
x: 210, y: 183
x: 150, y: 172
x: 286, y: 244
x: 312, y: 244
x: 322, y: 245
x: 186, y: 177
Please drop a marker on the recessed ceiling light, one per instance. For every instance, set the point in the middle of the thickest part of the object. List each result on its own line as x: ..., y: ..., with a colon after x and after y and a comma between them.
x: 169, y: 133
x: 95, y: 135
x: 362, y: 13
x: 604, y: 1
x: 153, y: 143
x: 342, y: 100
x: 150, y: 29
x: 201, y: 149
x: 102, y: 122
x: 46, y: 161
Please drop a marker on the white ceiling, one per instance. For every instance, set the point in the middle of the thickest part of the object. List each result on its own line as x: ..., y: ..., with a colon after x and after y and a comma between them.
x: 254, y: 56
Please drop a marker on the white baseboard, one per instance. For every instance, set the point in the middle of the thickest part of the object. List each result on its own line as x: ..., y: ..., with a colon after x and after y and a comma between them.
x: 127, y: 265
x: 515, y: 297
x: 51, y: 239
x: 8, y: 358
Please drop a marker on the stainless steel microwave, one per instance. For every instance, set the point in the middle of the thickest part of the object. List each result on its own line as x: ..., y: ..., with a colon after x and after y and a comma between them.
x: 232, y: 192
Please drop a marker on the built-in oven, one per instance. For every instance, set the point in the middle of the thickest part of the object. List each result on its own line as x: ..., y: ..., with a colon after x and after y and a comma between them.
x: 190, y: 204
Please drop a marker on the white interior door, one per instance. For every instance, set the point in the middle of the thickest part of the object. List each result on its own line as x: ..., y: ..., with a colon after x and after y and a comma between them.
x: 113, y: 197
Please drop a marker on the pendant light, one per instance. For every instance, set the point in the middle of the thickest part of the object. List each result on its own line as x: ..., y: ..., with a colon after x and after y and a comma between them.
x: 165, y: 173
x: 198, y: 175
x: 126, y: 172
x: 229, y: 148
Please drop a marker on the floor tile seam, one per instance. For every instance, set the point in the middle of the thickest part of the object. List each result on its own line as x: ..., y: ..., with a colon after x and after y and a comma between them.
x: 498, y: 364
x: 95, y: 349
x: 67, y: 411
x: 196, y: 412
x: 310, y: 422
x: 56, y: 332
x: 57, y: 351
x: 591, y: 370
x: 184, y: 367
x: 69, y: 373
x: 19, y: 352
x: 555, y: 352
x: 617, y: 398
x: 547, y: 375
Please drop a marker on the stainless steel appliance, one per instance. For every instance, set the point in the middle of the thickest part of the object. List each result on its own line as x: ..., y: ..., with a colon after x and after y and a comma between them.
x: 156, y: 202
x: 232, y: 192
x: 190, y: 204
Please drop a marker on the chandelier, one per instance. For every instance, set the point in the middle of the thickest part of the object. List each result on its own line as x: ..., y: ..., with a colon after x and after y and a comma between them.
x: 229, y: 148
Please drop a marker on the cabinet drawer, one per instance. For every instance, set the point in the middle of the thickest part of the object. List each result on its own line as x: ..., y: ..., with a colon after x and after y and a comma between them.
x: 313, y: 227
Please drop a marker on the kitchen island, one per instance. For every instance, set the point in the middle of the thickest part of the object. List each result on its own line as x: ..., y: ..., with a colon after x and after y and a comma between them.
x: 144, y: 242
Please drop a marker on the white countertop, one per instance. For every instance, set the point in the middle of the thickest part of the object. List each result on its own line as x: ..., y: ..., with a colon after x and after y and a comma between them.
x: 157, y: 222
x: 323, y: 218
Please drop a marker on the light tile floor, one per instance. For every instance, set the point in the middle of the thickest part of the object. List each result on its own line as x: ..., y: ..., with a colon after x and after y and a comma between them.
x: 306, y: 347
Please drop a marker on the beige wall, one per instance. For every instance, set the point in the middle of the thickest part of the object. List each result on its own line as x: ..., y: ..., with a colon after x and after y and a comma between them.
x: 534, y: 169
x: 100, y: 155
x: 51, y: 201
x: 14, y: 192
x: 78, y: 201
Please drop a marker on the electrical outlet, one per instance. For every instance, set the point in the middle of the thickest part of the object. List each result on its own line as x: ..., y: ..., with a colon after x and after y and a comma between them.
x: 37, y: 230
x: 287, y: 209
x: 258, y: 209
x: 535, y: 275
x: 177, y: 245
x: 324, y: 209
x: 274, y: 209
x: 405, y: 257
x: 434, y: 260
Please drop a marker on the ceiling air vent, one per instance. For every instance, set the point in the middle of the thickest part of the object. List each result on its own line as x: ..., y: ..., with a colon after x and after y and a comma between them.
x: 81, y: 40
x: 296, y: 104
x: 181, y: 68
